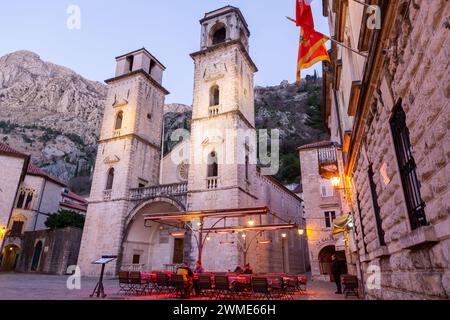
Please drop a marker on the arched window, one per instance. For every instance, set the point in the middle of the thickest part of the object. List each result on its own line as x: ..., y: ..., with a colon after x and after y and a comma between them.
x: 213, y: 167
x: 110, y: 179
x: 214, y: 96
x: 21, y: 199
x: 119, y: 119
x: 29, y: 200
x: 219, y: 35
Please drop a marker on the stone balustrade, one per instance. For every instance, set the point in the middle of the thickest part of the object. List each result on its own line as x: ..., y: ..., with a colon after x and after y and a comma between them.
x: 107, y: 195
x: 176, y: 189
x: 212, y: 182
x: 214, y: 110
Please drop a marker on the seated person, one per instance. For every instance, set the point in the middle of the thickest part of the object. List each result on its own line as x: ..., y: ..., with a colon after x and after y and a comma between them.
x: 188, y: 277
x: 248, y: 269
x: 238, y: 270
x: 199, y: 267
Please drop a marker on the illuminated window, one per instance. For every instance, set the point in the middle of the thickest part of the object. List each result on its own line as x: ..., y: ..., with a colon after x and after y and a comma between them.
x: 326, y: 189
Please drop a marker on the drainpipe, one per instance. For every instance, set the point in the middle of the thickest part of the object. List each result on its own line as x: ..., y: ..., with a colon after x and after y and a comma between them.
x: 338, y: 114
x: 40, y: 202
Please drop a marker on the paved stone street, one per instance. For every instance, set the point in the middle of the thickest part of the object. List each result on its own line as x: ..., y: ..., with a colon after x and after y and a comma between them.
x: 50, y: 287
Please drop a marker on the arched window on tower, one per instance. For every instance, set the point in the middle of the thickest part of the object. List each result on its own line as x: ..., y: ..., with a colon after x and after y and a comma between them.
x: 213, y: 167
x: 110, y: 179
x: 214, y: 96
x: 119, y: 119
x: 219, y: 35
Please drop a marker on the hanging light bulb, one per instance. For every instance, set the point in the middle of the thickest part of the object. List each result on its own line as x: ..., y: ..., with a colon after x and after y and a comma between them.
x: 251, y: 223
x: 301, y: 231
x: 284, y: 235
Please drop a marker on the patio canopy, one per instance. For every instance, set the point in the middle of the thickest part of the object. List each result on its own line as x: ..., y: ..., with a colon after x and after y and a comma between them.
x: 261, y: 228
x: 216, y: 214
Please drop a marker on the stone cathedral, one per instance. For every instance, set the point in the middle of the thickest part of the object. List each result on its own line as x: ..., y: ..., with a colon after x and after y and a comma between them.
x: 218, y: 169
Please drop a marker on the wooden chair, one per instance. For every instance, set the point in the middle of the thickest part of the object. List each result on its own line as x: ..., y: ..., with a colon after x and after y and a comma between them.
x: 351, y: 285
x: 222, y: 287
x: 124, y: 282
x: 162, y: 283
x: 138, y: 285
x: 180, y: 286
x: 261, y: 289
x: 205, y: 285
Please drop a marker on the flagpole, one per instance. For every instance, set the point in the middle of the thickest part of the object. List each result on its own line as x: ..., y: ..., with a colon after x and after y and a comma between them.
x: 347, y: 47
x: 364, y: 4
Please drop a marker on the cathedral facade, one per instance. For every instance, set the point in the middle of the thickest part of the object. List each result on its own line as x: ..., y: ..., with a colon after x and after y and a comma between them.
x: 214, y: 169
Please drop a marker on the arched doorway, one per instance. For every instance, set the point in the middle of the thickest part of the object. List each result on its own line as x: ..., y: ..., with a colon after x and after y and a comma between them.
x: 36, y: 256
x: 10, y: 257
x: 325, y: 259
x: 151, y: 246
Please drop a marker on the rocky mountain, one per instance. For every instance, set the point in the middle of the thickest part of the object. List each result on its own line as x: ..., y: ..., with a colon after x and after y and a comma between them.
x: 54, y: 114
x: 296, y: 110
x: 50, y: 112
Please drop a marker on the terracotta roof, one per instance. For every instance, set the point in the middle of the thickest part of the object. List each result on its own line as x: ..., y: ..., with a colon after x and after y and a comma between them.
x: 74, y: 206
x: 33, y: 170
x: 4, y: 148
x: 298, y: 189
x: 74, y: 196
x: 316, y: 145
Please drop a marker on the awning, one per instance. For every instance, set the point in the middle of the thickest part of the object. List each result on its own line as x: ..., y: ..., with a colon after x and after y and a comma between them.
x: 341, y: 224
x: 218, y: 214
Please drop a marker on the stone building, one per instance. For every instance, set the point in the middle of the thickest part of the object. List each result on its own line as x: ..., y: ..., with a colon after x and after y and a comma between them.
x: 36, y: 196
x: 322, y: 206
x: 214, y: 168
x: 11, y: 179
x: 388, y: 109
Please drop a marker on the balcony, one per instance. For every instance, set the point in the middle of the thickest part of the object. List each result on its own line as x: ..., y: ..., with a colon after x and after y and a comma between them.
x: 116, y: 133
x: 214, y: 110
x: 176, y: 189
x: 328, y: 163
x: 212, y: 182
x: 107, y: 195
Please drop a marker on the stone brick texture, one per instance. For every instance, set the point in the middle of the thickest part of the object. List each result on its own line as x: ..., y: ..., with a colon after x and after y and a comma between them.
x: 415, y: 72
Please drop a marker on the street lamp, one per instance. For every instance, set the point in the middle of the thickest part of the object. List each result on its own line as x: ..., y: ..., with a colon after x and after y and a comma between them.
x: 2, y: 232
x: 335, y: 182
x: 301, y: 231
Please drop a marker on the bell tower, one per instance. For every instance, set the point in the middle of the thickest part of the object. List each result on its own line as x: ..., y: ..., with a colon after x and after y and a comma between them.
x: 222, y: 156
x: 128, y: 153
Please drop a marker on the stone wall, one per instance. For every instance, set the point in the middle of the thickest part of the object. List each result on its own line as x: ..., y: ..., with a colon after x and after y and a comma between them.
x: 9, y: 184
x: 319, y: 237
x: 59, y: 250
x: 415, y: 74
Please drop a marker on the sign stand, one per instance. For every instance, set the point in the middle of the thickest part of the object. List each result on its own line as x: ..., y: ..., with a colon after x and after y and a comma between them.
x: 99, y: 289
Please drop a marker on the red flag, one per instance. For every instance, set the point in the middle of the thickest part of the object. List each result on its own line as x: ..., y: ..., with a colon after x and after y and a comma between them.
x: 312, y: 50
x: 304, y: 17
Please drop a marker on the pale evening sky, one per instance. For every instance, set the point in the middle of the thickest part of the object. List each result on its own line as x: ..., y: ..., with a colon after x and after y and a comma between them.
x: 168, y: 29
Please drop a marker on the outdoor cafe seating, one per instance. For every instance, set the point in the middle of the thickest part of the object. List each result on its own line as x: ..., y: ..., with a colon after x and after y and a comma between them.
x: 212, y: 285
